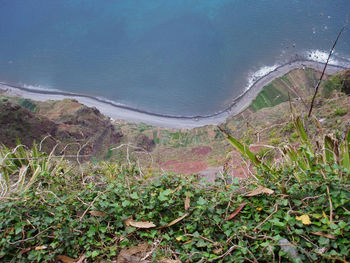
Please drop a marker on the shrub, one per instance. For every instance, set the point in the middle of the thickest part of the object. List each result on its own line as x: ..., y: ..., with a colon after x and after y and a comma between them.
x: 340, y: 112
x: 297, y: 211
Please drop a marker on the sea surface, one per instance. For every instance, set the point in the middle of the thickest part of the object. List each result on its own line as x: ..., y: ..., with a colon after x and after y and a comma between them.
x: 175, y: 57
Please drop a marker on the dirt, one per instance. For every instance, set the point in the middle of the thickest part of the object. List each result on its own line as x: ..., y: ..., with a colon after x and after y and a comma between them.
x: 68, y: 123
x: 203, y: 150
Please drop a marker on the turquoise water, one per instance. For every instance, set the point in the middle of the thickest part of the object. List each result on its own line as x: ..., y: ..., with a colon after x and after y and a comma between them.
x: 183, y: 57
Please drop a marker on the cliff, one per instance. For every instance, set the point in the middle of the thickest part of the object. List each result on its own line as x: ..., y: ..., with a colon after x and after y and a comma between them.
x: 68, y: 124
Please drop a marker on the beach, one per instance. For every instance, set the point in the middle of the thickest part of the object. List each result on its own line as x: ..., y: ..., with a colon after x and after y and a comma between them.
x: 123, y: 112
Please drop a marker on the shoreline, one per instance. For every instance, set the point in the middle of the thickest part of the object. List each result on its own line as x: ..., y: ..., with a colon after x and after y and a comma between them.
x: 123, y: 112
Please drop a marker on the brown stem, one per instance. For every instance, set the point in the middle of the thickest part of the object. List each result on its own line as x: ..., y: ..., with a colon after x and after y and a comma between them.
x: 324, y: 69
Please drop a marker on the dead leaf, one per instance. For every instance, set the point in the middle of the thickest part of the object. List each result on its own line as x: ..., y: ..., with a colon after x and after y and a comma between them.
x: 97, y: 213
x: 141, y: 224
x: 25, y: 250
x: 175, y: 221
x: 64, y: 259
x: 40, y: 247
x: 179, y: 238
x: 323, y: 235
x: 187, y: 201
x: 238, y: 209
x: 81, y: 259
x: 260, y: 190
x: 134, y: 254
x: 170, y: 261
x: 217, y: 251
x: 305, y: 219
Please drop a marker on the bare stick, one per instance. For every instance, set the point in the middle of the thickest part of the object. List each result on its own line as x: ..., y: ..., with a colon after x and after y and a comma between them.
x: 267, y: 218
x: 324, y: 69
x: 91, y: 204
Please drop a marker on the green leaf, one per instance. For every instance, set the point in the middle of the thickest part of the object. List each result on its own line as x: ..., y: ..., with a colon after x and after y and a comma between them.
x: 201, y: 243
x: 201, y: 201
x: 95, y: 253
x: 345, y: 151
x: 331, y: 149
x: 18, y: 229
x: 299, y: 126
x: 134, y: 195
x: 126, y: 203
x: 243, y: 149
x: 163, y: 196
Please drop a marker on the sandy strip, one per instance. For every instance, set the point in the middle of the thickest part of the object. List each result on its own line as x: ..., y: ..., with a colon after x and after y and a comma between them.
x: 123, y: 112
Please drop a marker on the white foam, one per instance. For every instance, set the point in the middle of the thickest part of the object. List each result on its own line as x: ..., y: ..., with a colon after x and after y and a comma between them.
x: 110, y: 101
x: 321, y: 56
x: 39, y: 87
x: 263, y: 71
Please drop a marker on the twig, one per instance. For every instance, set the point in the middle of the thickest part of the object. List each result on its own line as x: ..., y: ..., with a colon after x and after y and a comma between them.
x: 91, y: 204
x: 156, y: 244
x: 329, y: 200
x: 226, y: 253
x: 202, y: 237
x: 50, y: 192
x: 311, y: 197
x: 42, y: 141
x: 324, y: 69
x: 267, y: 218
x: 45, y: 157
x: 230, y: 250
x: 30, y: 238
x: 330, y: 205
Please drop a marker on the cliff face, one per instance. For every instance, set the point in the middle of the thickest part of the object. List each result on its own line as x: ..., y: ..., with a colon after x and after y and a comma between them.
x: 71, y: 125
x: 78, y: 128
x: 16, y: 122
x: 264, y: 122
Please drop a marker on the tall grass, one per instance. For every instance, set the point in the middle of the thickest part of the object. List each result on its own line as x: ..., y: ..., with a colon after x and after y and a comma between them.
x: 21, y: 167
x: 307, y: 156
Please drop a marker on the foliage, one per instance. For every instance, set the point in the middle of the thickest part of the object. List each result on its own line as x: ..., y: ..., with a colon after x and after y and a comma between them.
x: 296, y: 210
x: 19, y: 168
x: 333, y: 83
x: 269, y: 97
x: 340, y: 112
x: 27, y: 103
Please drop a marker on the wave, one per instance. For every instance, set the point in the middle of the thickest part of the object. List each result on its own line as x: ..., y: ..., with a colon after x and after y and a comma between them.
x: 263, y: 71
x: 257, y: 81
x: 315, y: 55
x: 321, y: 56
x: 39, y: 87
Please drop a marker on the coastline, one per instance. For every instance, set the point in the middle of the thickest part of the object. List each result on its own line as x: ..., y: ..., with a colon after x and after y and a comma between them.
x: 123, y: 112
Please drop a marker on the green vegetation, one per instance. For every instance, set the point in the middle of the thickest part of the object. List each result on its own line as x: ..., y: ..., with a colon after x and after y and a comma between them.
x: 268, y: 97
x: 295, y: 84
x: 27, y: 103
x: 295, y: 211
x: 340, y: 112
x: 333, y: 83
x: 294, y: 208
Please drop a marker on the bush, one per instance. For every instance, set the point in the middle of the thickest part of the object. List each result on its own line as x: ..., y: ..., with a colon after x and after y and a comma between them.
x: 340, y: 112
x: 297, y: 211
x: 66, y: 219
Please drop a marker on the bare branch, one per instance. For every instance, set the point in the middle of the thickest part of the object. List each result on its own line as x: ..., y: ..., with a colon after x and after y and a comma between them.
x: 324, y: 69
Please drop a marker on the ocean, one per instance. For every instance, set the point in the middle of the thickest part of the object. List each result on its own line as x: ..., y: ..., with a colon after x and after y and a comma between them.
x: 183, y: 57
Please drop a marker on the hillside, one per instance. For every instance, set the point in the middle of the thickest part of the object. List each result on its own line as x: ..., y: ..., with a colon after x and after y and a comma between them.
x: 204, y: 150
x: 293, y: 205
x: 201, y: 150
x: 72, y: 126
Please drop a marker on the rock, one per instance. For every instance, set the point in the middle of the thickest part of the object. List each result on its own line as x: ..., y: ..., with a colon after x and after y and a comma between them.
x: 145, y: 143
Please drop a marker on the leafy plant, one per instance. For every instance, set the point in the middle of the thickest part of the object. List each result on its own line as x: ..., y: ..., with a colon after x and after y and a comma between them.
x: 306, y: 156
x: 20, y: 167
x: 296, y: 212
